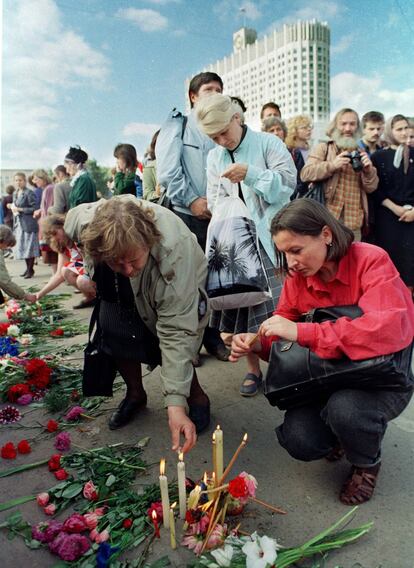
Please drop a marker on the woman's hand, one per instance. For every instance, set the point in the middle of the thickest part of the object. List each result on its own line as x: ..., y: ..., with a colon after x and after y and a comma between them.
x: 235, y: 173
x: 36, y: 214
x: 407, y: 216
x: 242, y: 344
x: 277, y: 325
x: 31, y: 298
x: 180, y: 424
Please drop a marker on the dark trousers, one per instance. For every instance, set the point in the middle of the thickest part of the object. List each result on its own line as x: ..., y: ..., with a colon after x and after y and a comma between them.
x: 211, y: 338
x: 357, y: 419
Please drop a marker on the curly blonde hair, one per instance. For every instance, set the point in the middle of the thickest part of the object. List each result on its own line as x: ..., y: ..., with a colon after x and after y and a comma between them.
x: 49, y: 226
x: 119, y: 226
x: 292, y: 126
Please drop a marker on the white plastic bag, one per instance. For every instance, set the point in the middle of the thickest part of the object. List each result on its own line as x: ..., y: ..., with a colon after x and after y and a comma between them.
x: 236, y: 276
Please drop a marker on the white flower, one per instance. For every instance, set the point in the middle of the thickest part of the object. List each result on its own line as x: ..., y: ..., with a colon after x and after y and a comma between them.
x: 26, y: 339
x: 13, y: 330
x: 261, y: 552
x: 223, y: 555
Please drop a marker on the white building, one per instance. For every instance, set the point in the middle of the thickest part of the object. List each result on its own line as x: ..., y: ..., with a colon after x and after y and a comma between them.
x: 289, y: 66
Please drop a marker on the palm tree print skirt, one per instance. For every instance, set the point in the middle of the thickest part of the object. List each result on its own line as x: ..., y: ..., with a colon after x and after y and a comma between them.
x: 244, y: 320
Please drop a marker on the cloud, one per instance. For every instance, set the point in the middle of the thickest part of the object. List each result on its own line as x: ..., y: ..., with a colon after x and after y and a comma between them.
x: 43, y: 61
x: 145, y: 19
x: 321, y: 10
x: 237, y: 10
x: 140, y: 129
x: 369, y: 93
x: 343, y: 44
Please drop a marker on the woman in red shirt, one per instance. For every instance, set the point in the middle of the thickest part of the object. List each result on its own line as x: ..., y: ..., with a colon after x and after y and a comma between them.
x: 324, y: 267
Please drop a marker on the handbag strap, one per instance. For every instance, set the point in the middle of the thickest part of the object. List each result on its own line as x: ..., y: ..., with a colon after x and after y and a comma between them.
x: 95, y: 320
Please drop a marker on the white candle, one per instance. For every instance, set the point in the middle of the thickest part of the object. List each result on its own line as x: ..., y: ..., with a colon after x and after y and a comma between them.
x: 165, y: 498
x: 182, y: 495
x: 172, y: 527
x: 51, y: 320
x: 219, y: 453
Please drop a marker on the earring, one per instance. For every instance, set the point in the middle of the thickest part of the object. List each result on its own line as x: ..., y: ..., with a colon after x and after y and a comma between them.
x: 329, y: 244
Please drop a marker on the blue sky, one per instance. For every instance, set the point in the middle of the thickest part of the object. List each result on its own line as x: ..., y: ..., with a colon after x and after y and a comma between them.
x: 98, y: 72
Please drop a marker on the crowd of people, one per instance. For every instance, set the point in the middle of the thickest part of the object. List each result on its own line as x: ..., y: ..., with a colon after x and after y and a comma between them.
x: 139, y: 258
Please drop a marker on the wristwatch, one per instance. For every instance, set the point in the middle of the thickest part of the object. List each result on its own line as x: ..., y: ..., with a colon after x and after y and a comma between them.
x: 408, y: 207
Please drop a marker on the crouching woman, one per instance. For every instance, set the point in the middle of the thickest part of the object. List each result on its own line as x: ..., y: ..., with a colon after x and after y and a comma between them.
x: 150, y: 275
x: 325, y: 268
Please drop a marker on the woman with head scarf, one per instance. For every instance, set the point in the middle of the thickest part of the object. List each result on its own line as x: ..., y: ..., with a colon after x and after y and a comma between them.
x: 83, y: 186
x: 394, y: 199
x: 261, y: 168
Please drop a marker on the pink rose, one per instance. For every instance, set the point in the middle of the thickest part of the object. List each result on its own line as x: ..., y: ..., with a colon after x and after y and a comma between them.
x: 93, y: 534
x: 91, y: 520
x: 89, y: 491
x: 50, y: 509
x: 100, y: 511
x: 102, y: 536
x: 43, y: 499
x: 75, y: 524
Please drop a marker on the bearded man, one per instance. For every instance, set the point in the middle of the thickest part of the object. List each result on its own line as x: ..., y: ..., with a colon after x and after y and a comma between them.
x: 345, y: 169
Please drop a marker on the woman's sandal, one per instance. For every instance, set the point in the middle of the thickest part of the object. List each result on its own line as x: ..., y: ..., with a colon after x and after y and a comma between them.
x: 360, y: 485
x: 250, y: 385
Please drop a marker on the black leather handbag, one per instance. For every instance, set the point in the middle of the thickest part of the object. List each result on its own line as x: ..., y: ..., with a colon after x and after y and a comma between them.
x: 316, y: 191
x: 296, y: 376
x: 99, y: 369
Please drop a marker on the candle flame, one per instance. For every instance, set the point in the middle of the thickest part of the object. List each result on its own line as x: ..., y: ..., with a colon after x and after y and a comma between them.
x: 174, y: 504
x: 245, y: 438
x: 154, y: 515
x: 181, y: 456
x: 218, y: 427
x: 162, y: 466
x: 205, y: 478
x: 214, y: 437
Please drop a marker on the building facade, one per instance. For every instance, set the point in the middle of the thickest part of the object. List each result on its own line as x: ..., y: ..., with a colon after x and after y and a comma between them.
x: 289, y: 66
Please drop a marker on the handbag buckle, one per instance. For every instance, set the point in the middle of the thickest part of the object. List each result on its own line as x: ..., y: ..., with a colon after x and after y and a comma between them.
x: 286, y: 346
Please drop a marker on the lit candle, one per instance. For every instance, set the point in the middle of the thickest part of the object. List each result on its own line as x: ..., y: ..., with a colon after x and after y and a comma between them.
x: 182, y: 495
x: 213, y: 443
x: 172, y: 527
x: 51, y: 320
x: 219, y: 453
x: 233, y: 459
x: 155, y: 523
x: 165, y: 499
x: 194, y: 497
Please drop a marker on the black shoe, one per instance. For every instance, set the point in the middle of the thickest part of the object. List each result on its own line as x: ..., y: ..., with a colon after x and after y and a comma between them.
x: 220, y: 352
x: 29, y: 274
x: 200, y: 416
x: 85, y: 304
x: 24, y: 273
x: 125, y: 412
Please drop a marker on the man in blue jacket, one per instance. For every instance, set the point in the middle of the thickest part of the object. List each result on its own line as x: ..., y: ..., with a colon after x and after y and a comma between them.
x: 181, y: 153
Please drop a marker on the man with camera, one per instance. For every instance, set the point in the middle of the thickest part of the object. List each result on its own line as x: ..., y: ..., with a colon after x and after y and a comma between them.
x: 346, y: 171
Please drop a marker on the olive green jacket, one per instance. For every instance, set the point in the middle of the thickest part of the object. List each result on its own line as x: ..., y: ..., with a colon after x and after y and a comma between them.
x: 169, y: 293
x: 6, y: 283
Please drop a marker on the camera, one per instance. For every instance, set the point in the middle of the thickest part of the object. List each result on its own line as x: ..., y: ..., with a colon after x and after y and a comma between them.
x: 356, y: 163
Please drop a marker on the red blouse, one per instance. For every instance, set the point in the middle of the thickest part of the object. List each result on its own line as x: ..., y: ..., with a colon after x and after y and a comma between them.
x: 366, y: 277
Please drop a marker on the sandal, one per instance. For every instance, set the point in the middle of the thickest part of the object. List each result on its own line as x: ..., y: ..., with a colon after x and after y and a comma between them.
x: 360, y: 485
x: 250, y: 385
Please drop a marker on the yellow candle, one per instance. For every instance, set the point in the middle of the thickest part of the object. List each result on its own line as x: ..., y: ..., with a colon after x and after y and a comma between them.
x: 165, y: 498
x: 213, y: 444
x: 233, y: 459
x: 172, y: 527
x: 219, y: 453
x: 182, y: 495
x: 194, y: 497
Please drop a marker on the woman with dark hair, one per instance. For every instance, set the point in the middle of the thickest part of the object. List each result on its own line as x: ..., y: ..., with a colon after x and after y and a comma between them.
x: 83, y: 186
x: 150, y: 184
x: 25, y: 226
x: 324, y: 267
x: 126, y: 166
x: 394, y: 198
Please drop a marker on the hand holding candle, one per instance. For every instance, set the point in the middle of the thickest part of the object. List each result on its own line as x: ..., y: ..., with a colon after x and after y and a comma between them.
x: 182, y: 496
x: 165, y: 499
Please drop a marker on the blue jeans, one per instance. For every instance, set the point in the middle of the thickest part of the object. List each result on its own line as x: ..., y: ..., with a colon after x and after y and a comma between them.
x: 357, y: 419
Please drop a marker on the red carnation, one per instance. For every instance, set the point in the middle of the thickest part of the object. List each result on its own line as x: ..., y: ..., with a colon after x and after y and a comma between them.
x: 3, y: 329
x: 61, y: 474
x: 52, y: 426
x: 16, y: 391
x: 8, y: 451
x: 23, y: 447
x: 58, y: 332
x: 54, y: 462
x: 127, y: 524
x: 238, y: 488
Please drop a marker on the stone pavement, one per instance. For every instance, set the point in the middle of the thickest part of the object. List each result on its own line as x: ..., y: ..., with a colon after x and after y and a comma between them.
x: 308, y: 491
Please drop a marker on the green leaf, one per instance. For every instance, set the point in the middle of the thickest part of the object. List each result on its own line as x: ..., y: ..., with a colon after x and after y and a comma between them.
x: 72, y: 491
x: 143, y: 442
x: 110, y: 480
x: 18, y: 469
x: 16, y: 502
x: 33, y: 543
